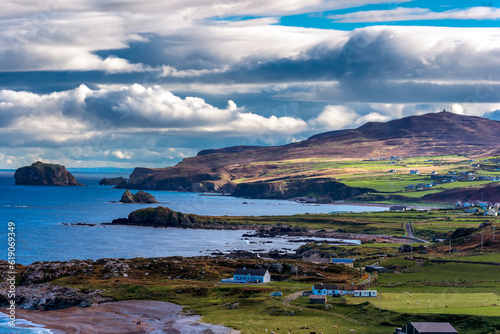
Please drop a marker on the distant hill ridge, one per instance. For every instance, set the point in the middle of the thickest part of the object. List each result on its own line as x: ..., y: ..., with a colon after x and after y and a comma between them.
x: 218, y: 170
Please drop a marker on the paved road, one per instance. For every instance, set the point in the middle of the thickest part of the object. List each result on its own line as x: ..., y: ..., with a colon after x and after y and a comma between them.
x: 410, y: 235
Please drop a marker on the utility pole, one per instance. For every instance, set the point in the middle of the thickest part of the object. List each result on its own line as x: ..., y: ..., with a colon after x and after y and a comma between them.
x: 493, y: 232
x: 482, y: 233
x: 450, y: 245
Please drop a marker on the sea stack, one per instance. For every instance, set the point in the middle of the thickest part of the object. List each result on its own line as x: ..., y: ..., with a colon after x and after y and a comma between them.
x: 140, y: 197
x: 44, y: 174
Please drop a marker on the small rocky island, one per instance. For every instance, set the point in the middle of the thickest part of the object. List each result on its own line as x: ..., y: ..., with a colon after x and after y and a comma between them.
x: 140, y: 197
x: 114, y: 181
x: 44, y: 174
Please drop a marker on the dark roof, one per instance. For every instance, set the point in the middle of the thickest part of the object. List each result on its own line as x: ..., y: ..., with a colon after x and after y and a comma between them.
x: 253, y: 272
x: 317, y: 297
x: 433, y: 327
x: 326, y: 286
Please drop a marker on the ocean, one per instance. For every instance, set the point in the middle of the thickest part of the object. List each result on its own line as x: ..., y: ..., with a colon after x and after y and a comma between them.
x: 39, y: 212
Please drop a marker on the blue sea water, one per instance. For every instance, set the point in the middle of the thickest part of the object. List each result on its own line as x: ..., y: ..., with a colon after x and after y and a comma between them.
x: 39, y: 211
x: 21, y: 327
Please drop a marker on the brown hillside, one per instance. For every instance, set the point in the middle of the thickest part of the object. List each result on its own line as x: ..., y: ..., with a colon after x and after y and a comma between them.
x: 425, y: 135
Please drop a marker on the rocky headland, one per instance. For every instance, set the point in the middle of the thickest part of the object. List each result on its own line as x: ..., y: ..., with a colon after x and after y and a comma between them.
x: 165, y: 217
x: 115, y: 181
x: 290, y: 171
x: 140, y: 197
x: 44, y: 174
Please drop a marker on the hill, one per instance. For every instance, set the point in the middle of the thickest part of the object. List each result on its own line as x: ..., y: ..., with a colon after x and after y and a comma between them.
x: 304, y: 168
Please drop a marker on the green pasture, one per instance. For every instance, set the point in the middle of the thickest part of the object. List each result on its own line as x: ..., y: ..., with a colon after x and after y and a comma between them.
x: 450, y: 303
x: 447, y: 277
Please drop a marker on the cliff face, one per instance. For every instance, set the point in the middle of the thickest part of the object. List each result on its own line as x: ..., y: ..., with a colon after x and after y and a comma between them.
x: 43, y: 174
x: 322, y: 190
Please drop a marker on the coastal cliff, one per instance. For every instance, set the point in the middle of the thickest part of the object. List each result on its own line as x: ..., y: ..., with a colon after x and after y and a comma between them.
x: 44, y: 174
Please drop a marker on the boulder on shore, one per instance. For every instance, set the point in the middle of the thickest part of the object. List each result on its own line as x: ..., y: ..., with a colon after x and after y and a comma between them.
x: 140, y: 197
x: 44, y: 174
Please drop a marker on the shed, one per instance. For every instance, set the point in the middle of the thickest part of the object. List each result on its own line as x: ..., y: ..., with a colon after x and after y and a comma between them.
x: 429, y: 328
x: 313, y: 299
x: 398, y: 208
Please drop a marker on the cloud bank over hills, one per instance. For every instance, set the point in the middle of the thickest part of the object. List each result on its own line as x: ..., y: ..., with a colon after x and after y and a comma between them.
x: 126, y: 82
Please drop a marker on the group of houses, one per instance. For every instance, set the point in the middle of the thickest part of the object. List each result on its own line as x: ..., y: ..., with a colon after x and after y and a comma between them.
x: 487, y: 208
x: 320, y: 292
x: 454, y: 176
x: 392, y: 158
x: 451, y: 176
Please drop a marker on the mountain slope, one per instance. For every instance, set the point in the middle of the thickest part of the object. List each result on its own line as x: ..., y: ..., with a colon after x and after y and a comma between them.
x: 281, y: 167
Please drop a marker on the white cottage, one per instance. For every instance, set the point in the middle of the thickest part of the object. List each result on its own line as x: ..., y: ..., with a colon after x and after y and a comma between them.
x: 365, y: 293
x: 250, y: 276
x: 325, y: 289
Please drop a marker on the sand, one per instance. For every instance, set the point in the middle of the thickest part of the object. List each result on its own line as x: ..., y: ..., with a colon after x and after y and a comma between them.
x: 122, y: 317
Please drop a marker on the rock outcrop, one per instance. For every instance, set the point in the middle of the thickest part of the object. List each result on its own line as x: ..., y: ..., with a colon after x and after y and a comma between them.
x: 139, y: 197
x: 165, y: 217
x: 47, y: 296
x: 115, y: 181
x: 44, y: 174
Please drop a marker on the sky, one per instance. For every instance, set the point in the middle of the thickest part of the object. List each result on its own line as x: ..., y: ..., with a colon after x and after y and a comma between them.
x: 147, y: 83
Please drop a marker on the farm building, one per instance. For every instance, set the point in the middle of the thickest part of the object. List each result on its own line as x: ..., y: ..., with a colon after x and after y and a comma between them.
x: 365, y: 293
x: 345, y: 262
x: 398, y: 208
x: 325, y: 289
x: 317, y: 299
x: 249, y: 276
x: 429, y: 328
x: 491, y: 212
x: 416, y: 171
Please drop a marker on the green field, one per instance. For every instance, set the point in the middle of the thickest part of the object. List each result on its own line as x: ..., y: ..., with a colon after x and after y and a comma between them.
x: 444, y: 303
x: 443, y: 277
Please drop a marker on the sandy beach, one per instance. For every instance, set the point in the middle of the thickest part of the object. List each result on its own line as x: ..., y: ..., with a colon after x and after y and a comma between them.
x: 134, y: 317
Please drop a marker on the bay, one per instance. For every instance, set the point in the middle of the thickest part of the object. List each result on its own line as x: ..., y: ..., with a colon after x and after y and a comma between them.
x: 39, y: 211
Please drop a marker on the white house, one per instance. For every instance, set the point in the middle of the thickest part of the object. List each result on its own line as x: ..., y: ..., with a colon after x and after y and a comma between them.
x: 416, y: 171
x: 491, y: 212
x: 325, y: 289
x: 365, y: 293
x: 250, y: 276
